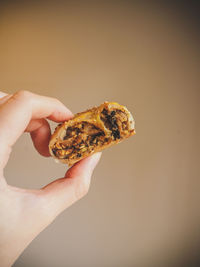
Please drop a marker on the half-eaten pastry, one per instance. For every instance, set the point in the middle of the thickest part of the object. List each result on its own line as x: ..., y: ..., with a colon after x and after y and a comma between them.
x: 91, y: 131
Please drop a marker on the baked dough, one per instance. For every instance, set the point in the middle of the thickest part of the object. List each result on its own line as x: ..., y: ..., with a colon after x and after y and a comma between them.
x: 91, y: 131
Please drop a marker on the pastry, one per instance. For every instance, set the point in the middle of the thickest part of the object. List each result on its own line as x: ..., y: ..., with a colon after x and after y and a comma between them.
x: 91, y: 131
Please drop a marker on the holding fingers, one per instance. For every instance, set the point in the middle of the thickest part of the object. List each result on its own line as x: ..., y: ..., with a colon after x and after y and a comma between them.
x: 30, y: 211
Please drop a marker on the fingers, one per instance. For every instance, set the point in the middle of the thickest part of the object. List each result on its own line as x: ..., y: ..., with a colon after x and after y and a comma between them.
x: 40, y: 133
x: 63, y: 192
x: 39, y: 130
x: 19, y: 110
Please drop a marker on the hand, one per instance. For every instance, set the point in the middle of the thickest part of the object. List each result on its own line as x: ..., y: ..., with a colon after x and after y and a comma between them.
x: 25, y: 213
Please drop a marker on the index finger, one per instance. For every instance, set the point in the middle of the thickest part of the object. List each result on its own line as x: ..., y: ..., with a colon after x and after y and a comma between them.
x: 20, y: 108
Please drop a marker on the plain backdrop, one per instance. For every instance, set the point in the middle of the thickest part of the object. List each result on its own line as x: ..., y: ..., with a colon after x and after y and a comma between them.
x: 143, y: 205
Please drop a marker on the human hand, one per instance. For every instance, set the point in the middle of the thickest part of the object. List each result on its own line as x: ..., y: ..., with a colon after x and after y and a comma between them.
x: 25, y: 213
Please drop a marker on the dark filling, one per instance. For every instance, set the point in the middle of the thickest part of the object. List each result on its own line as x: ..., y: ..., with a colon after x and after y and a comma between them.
x: 110, y: 122
x: 54, y: 150
x: 84, y: 137
x: 71, y: 131
x: 80, y: 138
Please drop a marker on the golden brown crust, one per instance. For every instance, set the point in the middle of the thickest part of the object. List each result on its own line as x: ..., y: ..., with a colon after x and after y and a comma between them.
x: 91, y: 131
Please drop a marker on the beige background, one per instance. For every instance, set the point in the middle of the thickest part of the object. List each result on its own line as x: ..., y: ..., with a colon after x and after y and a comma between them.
x: 143, y: 206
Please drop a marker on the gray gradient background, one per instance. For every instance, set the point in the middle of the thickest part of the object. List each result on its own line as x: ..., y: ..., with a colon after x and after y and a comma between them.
x: 143, y: 206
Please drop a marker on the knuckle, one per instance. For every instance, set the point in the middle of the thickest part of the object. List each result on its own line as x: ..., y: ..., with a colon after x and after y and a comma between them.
x: 23, y: 95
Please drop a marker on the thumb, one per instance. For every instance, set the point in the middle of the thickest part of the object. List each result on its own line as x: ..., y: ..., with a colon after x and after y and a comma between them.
x: 63, y: 192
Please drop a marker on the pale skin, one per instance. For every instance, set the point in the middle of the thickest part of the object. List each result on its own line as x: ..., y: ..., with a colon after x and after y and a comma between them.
x: 24, y: 213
